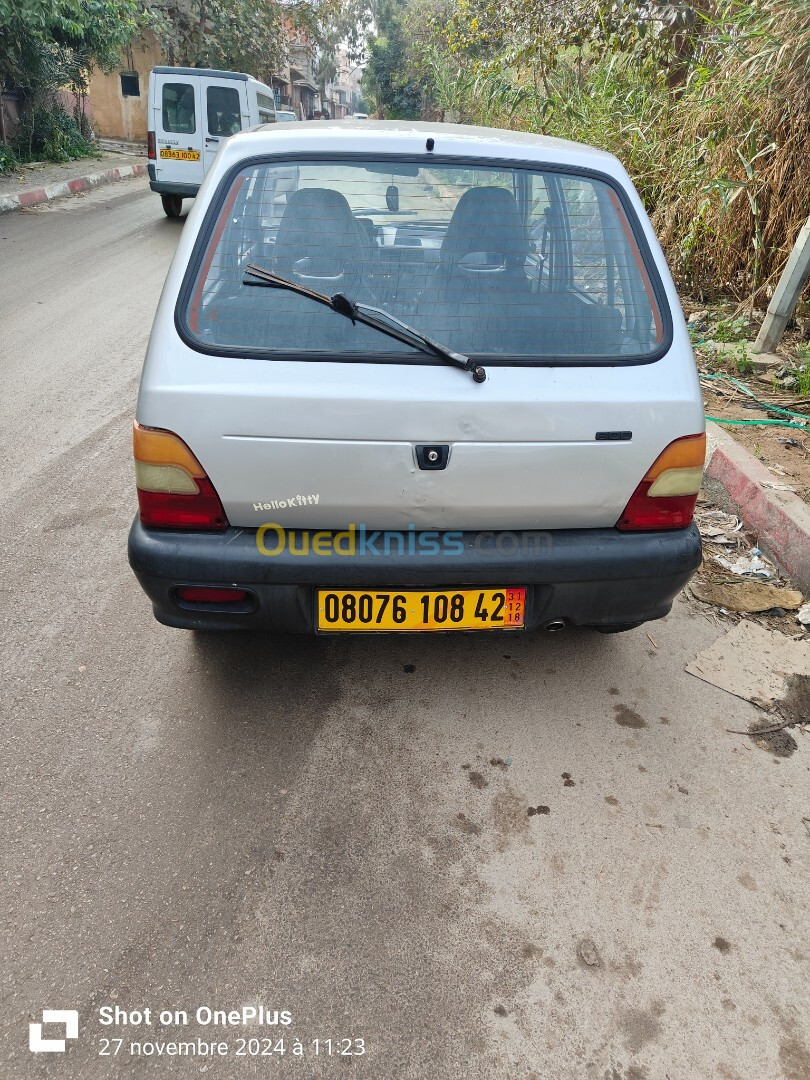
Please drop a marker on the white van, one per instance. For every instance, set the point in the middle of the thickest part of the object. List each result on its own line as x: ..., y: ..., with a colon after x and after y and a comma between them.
x: 191, y: 111
x: 441, y: 382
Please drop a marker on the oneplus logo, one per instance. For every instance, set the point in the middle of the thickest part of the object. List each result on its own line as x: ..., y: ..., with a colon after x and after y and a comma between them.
x: 68, y: 1017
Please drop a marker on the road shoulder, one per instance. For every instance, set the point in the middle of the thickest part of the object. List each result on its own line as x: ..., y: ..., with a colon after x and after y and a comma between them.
x: 42, y: 182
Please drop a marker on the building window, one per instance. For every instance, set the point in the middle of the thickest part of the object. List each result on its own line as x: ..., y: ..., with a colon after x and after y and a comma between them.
x: 130, y: 84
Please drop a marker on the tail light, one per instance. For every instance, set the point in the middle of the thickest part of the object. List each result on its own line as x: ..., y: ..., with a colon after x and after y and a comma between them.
x: 173, y: 489
x: 151, y: 151
x: 666, y: 497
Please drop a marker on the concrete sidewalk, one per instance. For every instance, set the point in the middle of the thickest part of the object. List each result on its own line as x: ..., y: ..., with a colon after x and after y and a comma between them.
x: 41, y: 182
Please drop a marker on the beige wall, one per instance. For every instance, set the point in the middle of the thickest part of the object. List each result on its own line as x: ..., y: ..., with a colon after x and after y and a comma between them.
x: 116, y: 116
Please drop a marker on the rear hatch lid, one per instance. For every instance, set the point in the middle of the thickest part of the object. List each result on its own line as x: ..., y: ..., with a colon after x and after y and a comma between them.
x: 304, y: 419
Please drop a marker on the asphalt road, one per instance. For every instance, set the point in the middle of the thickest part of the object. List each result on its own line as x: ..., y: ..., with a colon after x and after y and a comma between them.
x: 339, y: 828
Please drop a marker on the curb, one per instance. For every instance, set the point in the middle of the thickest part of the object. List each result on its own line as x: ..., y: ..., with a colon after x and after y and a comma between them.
x: 35, y: 196
x: 780, y: 519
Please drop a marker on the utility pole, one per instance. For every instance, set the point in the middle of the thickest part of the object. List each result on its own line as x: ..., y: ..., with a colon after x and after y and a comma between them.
x: 786, y: 295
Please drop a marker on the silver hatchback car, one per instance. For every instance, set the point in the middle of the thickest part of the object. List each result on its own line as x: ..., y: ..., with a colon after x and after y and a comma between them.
x: 440, y: 381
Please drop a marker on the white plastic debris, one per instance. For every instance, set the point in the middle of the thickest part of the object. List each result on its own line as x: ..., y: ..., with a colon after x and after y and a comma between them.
x: 803, y: 615
x: 776, y: 487
x: 749, y: 563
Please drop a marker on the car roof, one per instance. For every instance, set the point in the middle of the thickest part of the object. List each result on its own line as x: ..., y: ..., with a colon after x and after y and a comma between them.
x: 410, y: 137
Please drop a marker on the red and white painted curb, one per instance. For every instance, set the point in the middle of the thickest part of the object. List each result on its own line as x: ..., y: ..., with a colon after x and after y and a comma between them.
x: 35, y: 196
x: 778, y: 517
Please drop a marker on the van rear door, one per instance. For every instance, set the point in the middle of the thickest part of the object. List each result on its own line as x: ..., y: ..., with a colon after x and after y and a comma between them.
x: 178, y: 129
x: 225, y: 111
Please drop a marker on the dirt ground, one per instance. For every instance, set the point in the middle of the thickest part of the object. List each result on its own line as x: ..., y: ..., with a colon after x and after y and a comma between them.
x: 784, y: 451
x: 722, y: 337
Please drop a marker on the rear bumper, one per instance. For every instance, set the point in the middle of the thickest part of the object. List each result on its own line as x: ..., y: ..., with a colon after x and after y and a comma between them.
x: 185, y: 191
x: 587, y: 577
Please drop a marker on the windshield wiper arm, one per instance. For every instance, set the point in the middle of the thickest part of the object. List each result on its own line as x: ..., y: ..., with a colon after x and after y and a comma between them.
x: 370, y: 316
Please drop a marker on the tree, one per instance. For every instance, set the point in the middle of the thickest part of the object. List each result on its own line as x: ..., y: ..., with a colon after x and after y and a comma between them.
x: 388, y: 78
x: 251, y: 35
x: 38, y: 34
x: 242, y: 35
x: 46, y: 45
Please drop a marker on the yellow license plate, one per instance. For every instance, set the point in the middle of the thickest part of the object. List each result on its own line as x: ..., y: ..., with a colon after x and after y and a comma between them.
x: 180, y: 155
x: 361, y: 610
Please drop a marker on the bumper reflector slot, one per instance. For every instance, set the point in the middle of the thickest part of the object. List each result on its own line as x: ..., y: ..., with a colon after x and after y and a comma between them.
x: 207, y: 594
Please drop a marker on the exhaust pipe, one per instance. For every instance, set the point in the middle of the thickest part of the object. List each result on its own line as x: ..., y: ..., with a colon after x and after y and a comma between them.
x: 555, y: 625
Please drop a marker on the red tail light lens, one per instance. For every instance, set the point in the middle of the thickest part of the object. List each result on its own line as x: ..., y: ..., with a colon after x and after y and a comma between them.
x: 151, y: 150
x: 666, y: 497
x: 173, y: 489
x: 643, y: 513
x: 205, y: 594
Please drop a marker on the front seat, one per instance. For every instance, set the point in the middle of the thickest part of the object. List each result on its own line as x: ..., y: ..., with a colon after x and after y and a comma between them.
x: 484, y: 233
x: 320, y: 244
x: 481, y: 273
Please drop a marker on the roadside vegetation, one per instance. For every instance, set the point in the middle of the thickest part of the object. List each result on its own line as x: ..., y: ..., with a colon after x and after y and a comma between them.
x: 48, y: 47
x: 707, y: 105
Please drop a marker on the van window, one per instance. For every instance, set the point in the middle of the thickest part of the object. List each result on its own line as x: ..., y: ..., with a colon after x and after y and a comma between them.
x: 224, y: 110
x: 178, y: 108
x: 513, y: 263
x: 267, y: 109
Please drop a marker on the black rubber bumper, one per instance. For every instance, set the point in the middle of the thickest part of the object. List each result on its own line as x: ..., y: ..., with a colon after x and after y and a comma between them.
x: 185, y: 191
x: 586, y: 577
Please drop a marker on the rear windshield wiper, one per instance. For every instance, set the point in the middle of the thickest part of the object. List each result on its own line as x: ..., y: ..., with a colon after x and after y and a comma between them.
x: 370, y: 316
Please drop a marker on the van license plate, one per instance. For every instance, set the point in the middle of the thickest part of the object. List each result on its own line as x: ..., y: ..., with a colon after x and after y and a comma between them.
x: 180, y: 155
x: 362, y: 611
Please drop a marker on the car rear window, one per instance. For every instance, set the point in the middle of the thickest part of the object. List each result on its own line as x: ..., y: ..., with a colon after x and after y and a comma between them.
x: 510, y: 263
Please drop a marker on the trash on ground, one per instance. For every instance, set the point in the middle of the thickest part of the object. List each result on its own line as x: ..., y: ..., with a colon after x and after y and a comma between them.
x: 735, y: 577
x: 746, y: 596
x: 718, y: 527
x: 756, y: 664
x: 751, y: 562
x: 803, y: 615
x: 777, y: 487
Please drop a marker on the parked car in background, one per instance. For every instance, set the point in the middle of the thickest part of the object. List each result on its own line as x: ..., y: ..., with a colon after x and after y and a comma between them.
x: 191, y: 112
x: 284, y: 116
x: 443, y: 382
x: 360, y: 116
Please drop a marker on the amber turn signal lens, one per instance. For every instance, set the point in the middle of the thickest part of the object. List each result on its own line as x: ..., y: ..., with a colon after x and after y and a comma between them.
x: 154, y: 446
x: 686, y: 453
